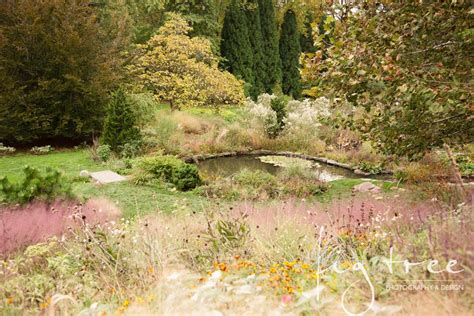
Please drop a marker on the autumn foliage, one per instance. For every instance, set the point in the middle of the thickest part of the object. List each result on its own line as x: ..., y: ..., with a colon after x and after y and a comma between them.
x: 182, y: 70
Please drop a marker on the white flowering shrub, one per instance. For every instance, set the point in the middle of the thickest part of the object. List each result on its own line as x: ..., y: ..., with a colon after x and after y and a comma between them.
x: 261, y: 111
x: 302, y: 116
x: 306, y: 115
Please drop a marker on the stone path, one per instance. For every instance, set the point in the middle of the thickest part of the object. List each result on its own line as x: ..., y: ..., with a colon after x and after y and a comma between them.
x: 107, y: 176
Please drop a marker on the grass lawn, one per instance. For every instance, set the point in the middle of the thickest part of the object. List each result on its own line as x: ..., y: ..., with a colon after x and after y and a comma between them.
x: 130, y: 198
x: 69, y: 162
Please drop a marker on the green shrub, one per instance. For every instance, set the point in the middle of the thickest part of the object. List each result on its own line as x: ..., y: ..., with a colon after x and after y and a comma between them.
x: 171, y: 170
x: 131, y: 149
x: 372, y: 168
x: 41, y: 150
x: 45, y: 185
x: 104, y: 152
x: 466, y: 165
x: 278, y: 105
x: 5, y: 150
x: 255, y: 179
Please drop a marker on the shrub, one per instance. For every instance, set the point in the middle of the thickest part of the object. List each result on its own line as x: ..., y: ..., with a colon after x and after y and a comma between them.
x: 131, y: 149
x: 36, y: 185
x: 278, y: 105
x: 164, y: 134
x: 255, y: 179
x: 5, y: 150
x: 103, y: 152
x: 372, y: 168
x: 41, y: 150
x: 171, y: 170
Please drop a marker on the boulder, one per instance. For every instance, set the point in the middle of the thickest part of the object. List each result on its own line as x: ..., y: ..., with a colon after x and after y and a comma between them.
x: 84, y: 174
x: 367, y: 187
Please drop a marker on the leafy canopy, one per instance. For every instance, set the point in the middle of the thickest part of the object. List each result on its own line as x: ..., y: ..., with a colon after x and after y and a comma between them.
x: 182, y: 70
x: 407, y: 69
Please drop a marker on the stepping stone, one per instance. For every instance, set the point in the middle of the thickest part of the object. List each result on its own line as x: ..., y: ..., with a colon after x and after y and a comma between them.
x: 107, y: 176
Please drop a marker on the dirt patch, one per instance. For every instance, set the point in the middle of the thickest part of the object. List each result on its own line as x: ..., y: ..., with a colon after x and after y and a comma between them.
x: 37, y: 221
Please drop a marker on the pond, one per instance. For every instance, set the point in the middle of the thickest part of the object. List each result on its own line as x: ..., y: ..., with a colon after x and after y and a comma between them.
x: 227, y: 166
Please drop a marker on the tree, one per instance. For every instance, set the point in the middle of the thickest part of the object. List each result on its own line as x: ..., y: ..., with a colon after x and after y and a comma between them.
x: 182, y: 70
x: 202, y: 15
x: 306, y: 37
x: 290, y: 53
x: 120, y: 122
x: 235, y: 44
x: 256, y: 41
x: 271, y: 53
x: 56, y: 65
x: 406, y: 68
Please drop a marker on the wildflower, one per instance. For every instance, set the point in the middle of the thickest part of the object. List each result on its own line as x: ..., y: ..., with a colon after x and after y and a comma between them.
x: 289, y: 265
x: 285, y: 299
x: 9, y: 300
x: 126, y: 303
x: 45, y: 304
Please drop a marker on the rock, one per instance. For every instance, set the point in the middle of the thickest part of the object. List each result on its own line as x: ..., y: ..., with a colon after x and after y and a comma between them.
x: 367, y: 187
x: 360, y: 172
x: 84, y: 174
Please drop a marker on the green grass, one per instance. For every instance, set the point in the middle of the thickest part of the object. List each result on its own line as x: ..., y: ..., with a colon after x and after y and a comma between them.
x: 131, y: 199
x: 69, y: 162
x: 343, y: 188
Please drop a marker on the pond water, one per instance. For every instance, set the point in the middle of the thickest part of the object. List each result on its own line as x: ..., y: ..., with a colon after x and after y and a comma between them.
x: 227, y: 166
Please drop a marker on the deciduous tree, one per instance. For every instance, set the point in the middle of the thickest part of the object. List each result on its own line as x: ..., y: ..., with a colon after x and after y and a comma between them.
x: 182, y: 70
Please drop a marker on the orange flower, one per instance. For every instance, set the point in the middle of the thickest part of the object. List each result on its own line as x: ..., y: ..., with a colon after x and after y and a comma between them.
x: 9, y: 300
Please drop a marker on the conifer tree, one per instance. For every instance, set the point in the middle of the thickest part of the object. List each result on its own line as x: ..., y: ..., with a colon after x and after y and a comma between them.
x: 235, y: 44
x: 120, y: 122
x: 290, y: 53
x: 256, y: 42
x: 306, y: 38
x: 270, y: 45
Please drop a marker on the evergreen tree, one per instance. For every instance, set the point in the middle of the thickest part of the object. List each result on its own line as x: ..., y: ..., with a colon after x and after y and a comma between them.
x: 256, y: 42
x: 235, y: 44
x: 120, y: 122
x: 202, y: 15
x: 270, y: 45
x: 290, y: 53
x: 57, y: 62
x: 306, y: 38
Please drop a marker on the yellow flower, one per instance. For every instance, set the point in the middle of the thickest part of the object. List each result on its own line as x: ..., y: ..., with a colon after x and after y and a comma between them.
x: 289, y: 265
x: 9, y: 300
x: 346, y: 264
x: 126, y: 303
x: 314, y: 275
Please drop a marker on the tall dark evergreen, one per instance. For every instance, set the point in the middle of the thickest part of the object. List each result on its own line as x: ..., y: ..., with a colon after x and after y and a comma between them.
x: 235, y: 43
x: 256, y: 42
x: 306, y: 38
x: 120, y: 122
x: 290, y: 53
x: 271, y: 54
